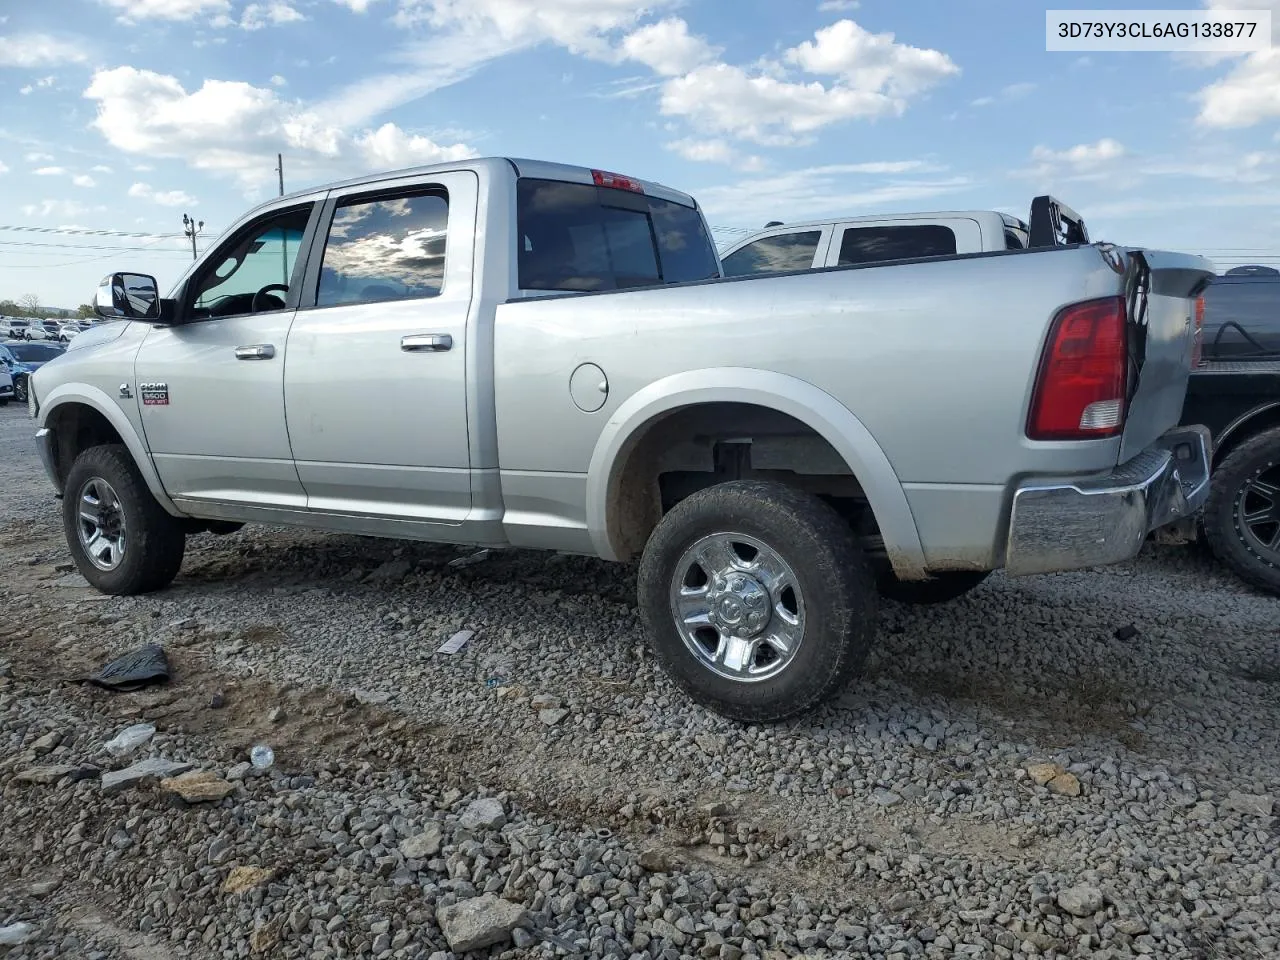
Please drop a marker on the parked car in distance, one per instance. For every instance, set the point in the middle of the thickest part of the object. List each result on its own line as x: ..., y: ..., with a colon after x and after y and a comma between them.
x: 15, y: 328
x: 71, y: 329
x: 24, y: 358
x: 553, y: 360
x: 880, y: 238
x: 1235, y: 392
x: 6, y: 386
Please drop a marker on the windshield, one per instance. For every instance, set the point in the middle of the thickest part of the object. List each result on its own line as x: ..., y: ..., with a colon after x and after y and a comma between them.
x: 34, y: 352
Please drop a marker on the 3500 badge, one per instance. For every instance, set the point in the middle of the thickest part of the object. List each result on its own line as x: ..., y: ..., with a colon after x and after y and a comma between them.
x: 154, y: 394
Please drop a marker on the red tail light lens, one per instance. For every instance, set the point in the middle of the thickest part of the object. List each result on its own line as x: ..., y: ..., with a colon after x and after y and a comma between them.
x: 603, y: 178
x: 1080, y: 390
x: 1197, y: 340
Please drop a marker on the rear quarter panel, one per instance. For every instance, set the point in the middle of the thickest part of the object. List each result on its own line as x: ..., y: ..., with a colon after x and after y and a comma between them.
x: 936, y: 358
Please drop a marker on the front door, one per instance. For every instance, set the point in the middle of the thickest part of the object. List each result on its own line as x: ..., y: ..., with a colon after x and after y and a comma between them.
x: 376, y: 381
x: 211, y: 387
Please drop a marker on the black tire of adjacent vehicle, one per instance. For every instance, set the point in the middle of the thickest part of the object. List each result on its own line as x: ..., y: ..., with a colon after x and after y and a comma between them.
x: 833, y: 574
x: 1221, y: 511
x: 20, y: 389
x: 155, y: 541
x: 939, y: 588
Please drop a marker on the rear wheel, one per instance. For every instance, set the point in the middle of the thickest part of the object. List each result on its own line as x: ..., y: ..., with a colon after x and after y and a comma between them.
x: 1242, y: 516
x: 121, y: 539
x: 939, y: 588
x: 20, y: 389
x: 757, y: 599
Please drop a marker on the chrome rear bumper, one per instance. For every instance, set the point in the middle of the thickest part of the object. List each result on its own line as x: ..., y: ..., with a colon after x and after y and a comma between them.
x: 1097, y: 521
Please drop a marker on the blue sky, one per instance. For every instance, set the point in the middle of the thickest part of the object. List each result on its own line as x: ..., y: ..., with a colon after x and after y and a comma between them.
x: 121, y: 115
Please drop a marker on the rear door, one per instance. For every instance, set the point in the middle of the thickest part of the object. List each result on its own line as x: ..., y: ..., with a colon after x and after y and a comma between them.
x: 375, y: 387
x: 778, y: 252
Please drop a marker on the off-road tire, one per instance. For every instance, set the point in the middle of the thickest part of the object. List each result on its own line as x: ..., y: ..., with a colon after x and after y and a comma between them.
x: 831, y: 570
x: 939, y: 588
x: 155, y: 541
x: 1221, y: 518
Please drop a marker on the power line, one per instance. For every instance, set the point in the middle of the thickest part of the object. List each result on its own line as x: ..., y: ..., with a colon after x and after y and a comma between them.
x: 88, y: 246
x: 85, y: 232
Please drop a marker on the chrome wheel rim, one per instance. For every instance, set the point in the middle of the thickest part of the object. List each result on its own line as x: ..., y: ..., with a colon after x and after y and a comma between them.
x: 1258, y: 513
x: 738, y: 607
x: 20, y: 391
x: 100, y: 524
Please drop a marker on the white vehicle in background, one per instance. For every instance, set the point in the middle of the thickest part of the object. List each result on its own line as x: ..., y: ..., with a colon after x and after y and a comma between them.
x: 72, y: 329
x: 14, y: 328
x: 840, y: 242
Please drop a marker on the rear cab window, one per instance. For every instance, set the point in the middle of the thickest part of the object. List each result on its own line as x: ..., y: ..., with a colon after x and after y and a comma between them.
x: 586, y: 238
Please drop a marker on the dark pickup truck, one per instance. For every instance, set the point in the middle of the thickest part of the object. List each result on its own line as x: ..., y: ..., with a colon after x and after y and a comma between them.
x: 1235, y: 392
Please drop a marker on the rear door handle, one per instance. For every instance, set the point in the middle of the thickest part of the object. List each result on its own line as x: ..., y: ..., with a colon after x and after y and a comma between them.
x: 257, y: 351
x: 438, y: 342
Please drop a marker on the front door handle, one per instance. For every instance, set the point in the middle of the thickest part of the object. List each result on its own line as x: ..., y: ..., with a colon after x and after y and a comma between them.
x: 438, y: 342
x: 258, y: 351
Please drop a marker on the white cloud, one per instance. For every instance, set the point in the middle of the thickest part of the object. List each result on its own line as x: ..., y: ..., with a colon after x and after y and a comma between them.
x: 874, y: 76
x: 1014, y: 91
x: 39, y: 50
x: 277, y: 12
x: 1082, y: 155
x: 49, y: 171
x: 278, y: 81
x: 4, y: 168
x: 235, y: 129
x: 705, y: 151
x: 1247, y: 95
x: 84, y: 180
x: 667, y: 47
x: 389, y: 148
x: 837, y: 6
x: 59, y: 208
x: 355, y: 6
x: 140, y: 11
x: 27, y: 90
x: 835, y: 189
x: 100, y: 168
x: 38, y: 157
x: 166, y: 198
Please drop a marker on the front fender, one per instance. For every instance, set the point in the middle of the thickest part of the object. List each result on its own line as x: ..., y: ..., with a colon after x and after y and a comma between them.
x: 817, y: 409
x: 81, y: 393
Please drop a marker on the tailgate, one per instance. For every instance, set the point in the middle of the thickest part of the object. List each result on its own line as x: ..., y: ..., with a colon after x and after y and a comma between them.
x: 1160, y: 290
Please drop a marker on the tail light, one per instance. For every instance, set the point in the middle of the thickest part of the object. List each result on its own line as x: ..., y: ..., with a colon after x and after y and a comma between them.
x: 616, y: 181
x: 1080, y: 391
x: 1197, y: 338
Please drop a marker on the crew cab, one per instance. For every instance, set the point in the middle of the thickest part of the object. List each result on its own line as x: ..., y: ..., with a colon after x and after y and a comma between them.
x: 551, y: 358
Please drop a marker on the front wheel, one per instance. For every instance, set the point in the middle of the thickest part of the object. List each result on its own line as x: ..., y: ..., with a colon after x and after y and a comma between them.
x: 121, y: 539
x: 1242, y: 515
x: 20, y: 389
x: 757, y: 599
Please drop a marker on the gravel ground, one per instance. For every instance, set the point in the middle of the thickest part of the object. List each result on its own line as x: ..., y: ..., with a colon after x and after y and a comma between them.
x: 1011, y: 778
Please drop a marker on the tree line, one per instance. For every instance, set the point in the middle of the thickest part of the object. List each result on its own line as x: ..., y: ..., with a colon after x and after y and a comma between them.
x: 28, y: 305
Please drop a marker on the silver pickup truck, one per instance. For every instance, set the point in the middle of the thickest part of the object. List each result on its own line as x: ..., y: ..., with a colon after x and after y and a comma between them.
x: 549, y: 357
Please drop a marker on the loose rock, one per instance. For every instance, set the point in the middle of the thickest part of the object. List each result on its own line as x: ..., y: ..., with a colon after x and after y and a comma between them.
x: 1081, y: 901
x: 423, y: 845
x: 157, y: 768
x: 484, y: 814
x: 479, y: 922
x: 199, y: 786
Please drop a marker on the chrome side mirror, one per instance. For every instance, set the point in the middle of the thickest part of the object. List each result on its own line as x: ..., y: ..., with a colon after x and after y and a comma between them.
x: 129, y: 296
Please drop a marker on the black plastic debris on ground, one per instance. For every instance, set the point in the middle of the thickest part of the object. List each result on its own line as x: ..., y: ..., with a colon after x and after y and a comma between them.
x: 136, y: 669
x: 1126, y: 633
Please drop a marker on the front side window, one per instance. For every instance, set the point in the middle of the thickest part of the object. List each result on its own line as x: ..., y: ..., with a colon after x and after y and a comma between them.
x: 776, y: 254
x: 252, y: 273
x: 385, y: 249
x: 874, y: 244
x: 580, y: 237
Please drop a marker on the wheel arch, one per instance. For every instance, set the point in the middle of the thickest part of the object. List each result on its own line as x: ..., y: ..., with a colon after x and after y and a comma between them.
x: 1262, y: 417
x: 80, y: 416
x: 638, y: 416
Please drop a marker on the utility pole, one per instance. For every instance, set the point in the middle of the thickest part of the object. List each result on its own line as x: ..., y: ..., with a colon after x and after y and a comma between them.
x: 280, y: 170
x: 191, y: 228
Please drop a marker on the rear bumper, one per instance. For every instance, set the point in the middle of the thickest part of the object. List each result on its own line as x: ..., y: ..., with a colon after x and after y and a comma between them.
x: 1102, y: 520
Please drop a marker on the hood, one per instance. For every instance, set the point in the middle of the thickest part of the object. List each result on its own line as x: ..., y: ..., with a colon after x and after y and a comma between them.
x: 98, y: 333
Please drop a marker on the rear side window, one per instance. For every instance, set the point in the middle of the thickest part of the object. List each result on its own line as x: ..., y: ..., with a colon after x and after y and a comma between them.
x: 776, y: 254
x: 873, y: 244
x: 385, y: 249
x: 1242, y: 318
x: 581, y: 237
